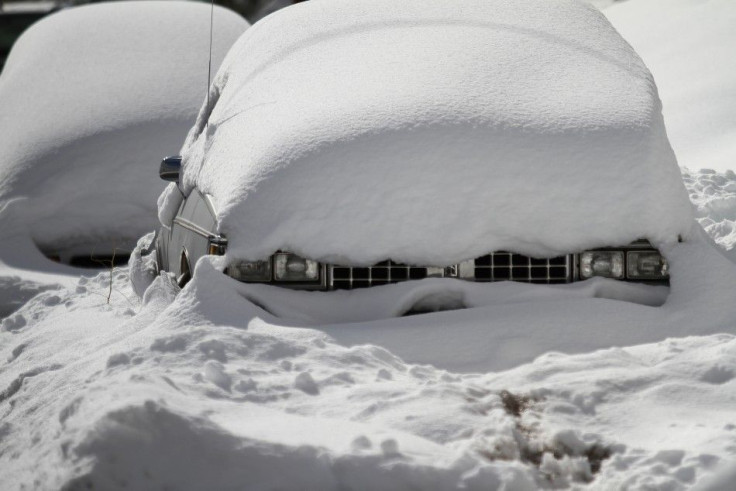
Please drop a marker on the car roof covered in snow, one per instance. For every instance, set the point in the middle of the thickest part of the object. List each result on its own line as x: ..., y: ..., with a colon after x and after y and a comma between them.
x: 92, y: 98
x: 432, y: 132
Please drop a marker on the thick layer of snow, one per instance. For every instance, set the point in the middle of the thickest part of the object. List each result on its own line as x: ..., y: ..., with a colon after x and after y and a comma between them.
x: 688, y: 45
x: 423, y: 132
x: 92, y: 98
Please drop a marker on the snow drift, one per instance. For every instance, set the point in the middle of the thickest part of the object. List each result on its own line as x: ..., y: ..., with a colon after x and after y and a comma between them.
x: 92, y: 98
x: 431, y: 133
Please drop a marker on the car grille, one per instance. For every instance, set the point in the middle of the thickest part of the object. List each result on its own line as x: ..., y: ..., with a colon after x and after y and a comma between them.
x: 383, y: 273
x: 502, y: 266
x: 498, y: 266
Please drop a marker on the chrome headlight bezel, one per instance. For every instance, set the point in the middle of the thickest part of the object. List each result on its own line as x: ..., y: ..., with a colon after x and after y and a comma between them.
x: 606, y: 263
x: 290, y: 268
x: 630, y: 256
x: 274, y: 270
x: 635, y: 271
x: 250, y: 271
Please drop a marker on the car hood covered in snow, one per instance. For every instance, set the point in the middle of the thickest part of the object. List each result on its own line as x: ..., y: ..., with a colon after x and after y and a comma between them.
x: 92, y: 98
x: 431, y: 133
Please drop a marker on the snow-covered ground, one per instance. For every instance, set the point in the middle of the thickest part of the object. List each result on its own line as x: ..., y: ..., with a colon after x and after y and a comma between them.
x: 204, y: 389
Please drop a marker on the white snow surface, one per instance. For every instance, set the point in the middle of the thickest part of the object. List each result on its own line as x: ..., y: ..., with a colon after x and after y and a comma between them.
x: 91, y: 99
x: 430, y: 132
x: 534, y: 387
x: 688, y: 46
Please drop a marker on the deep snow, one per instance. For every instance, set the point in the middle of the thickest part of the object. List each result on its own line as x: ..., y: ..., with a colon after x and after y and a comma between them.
x: 91, y: 99
x: 204, y: 389
x: 333, y: 143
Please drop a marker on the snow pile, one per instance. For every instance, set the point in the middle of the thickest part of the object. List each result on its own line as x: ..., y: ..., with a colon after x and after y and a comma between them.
x: 204, y: 389
x: 92, y: 98
x: 714, y: 196
x: 688, y: 45
x: 427, y: 133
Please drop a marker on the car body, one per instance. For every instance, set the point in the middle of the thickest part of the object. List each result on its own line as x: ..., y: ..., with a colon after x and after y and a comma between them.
x: 193, y: 234
x: 476, y: 159
x: 89, y: 95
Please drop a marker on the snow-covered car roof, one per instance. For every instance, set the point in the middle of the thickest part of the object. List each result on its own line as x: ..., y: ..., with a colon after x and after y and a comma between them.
x: 432, y: 132
x: 91, y: 99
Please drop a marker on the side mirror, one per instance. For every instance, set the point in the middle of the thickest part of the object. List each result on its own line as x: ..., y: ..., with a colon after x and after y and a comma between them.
x: 170, y: 167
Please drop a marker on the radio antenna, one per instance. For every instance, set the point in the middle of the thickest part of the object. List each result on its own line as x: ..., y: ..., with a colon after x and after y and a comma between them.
x: 209, y: 64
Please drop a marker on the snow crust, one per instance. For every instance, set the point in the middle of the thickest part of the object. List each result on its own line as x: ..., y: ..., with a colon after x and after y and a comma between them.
x: 427, y: 133
x: 688, y: 45
x: 92, y: 98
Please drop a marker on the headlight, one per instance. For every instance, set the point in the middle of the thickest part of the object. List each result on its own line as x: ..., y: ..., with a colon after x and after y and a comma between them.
x: 609, y: 264
x: 290, y: 267
x: 646, y: 265
x: 250, y: 270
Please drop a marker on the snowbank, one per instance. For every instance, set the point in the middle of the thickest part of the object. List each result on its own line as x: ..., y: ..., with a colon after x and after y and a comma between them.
x: 203, y: 389
x: 688, y: 45
x: 428, y: 133
x: 92, y: 98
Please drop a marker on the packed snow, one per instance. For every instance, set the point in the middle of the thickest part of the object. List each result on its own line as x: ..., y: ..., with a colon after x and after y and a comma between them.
x: 92, y: 98
x: 688, y: 46
x: 333, y: 142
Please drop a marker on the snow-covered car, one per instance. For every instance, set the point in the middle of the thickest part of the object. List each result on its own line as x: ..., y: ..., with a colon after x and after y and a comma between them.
x: 88, y: 96
x: 354, y: 144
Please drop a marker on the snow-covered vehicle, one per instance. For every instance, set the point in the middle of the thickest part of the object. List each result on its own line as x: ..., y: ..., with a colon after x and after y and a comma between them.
x: 352, y: 144
x: 88, y: 97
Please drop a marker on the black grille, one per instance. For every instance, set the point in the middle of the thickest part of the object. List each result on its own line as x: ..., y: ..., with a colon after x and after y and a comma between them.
x: 498, y: 266
x: 501, y: 266
x: 383, y: 273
